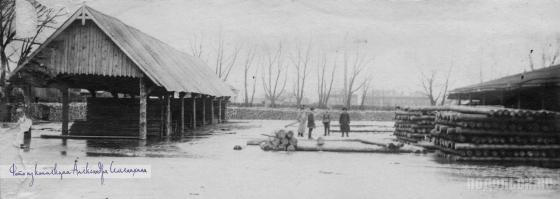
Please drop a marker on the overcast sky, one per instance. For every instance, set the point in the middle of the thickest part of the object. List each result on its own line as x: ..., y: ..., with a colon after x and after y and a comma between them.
x: 485, y: 39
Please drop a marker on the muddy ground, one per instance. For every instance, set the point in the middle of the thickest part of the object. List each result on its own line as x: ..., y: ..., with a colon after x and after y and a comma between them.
x: 206, y: 166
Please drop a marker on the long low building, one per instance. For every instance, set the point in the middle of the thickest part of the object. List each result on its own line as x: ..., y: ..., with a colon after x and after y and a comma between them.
x: 538, y: 89
x: 167, y: 90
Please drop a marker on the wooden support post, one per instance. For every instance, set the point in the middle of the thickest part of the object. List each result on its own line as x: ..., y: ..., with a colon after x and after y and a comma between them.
x: 65, y: 110
x: 224, y: 114
x: 168, y: 129
x: 518, y: 99
x: 115, y: 95
x: 182, y: 125
x: 193, y: 111
x: 502, y: 98
x: 162, y: 116
x: 143, y: 124
x: 93, y: 93
x: 212, y: 112
x: 203, y: 110
x: 220, y: 110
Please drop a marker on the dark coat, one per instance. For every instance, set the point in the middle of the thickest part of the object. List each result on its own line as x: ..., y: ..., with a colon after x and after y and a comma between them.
x: 344, y: 121
x: 310, y: 120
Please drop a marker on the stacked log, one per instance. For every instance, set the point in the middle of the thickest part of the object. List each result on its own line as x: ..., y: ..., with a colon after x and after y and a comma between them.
x: 413, y: 124
x: 489, y: 133
x: 281, y: 141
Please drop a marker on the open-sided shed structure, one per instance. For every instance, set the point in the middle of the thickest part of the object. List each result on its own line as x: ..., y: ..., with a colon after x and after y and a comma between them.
x: 166, y: 88
x: 538, y: 89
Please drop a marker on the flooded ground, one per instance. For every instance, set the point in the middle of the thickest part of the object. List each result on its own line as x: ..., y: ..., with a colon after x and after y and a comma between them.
x: 206, y: 166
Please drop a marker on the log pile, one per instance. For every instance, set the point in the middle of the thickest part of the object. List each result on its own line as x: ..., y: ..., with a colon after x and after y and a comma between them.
x: 413, y: 124
x: 489, y: 133
x: 281, y: 141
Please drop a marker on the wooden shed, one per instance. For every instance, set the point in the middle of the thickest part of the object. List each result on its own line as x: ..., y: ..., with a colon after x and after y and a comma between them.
x: 538, y: 89
x: 167, y: 90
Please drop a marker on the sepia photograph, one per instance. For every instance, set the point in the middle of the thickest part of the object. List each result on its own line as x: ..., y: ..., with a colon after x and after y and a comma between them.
x: 279, y: 99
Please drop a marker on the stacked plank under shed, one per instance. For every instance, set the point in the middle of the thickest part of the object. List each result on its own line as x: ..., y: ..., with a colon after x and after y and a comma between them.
x: 498, y: 134
x: 413, y: 124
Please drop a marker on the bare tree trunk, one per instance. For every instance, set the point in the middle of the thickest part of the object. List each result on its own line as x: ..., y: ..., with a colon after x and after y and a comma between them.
x: 273, y: 85
x: 247, y: 66
x: 358, y: 63
x: 365, y: 90
x: 324, y: 84
x: 301, y: 62
x: 446, y: 86
x: 224, y: 65
x: 46, y: 19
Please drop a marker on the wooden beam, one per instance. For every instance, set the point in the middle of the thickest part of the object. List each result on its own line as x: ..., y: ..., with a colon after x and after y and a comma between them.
x: 65, y: 110
x: 182, y: 125
x: 168, y: 129
x: 143, y: 124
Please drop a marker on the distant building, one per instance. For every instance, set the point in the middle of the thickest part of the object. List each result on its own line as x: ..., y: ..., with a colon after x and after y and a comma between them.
x: 391, y: 98
x: 339, y: 98
x: 291, y: 100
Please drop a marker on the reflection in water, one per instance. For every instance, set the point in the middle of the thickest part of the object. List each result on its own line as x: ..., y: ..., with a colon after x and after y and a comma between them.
x: 26, y: 141
x: 378, y: 175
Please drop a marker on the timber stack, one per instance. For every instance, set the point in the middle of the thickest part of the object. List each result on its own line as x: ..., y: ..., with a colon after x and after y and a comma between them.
x: 413, y: 124
x: 281, y: 141
x: 497, y: 134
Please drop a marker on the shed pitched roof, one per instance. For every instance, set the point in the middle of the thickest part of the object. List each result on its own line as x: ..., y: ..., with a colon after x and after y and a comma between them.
x: 549, y: 76
x: 163, y: 64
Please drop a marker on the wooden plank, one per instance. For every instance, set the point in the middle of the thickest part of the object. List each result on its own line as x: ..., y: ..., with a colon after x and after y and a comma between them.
x: 504, y: 146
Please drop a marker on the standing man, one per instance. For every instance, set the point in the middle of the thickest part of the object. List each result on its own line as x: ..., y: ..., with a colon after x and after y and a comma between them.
x: 301, y: 121
x: 327, y: 122
x: 310, y: 121
x: 344, y: 121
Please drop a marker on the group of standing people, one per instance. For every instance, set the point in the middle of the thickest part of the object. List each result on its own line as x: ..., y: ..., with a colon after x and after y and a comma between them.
x: 306, y: 119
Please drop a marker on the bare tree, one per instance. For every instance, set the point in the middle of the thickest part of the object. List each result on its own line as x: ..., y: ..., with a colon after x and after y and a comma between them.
x: 324, y: 84
x: 434, y: 90
x: 46, y: 20
x: 550, y: 53
x: 197, y: 45
x: 365, y: 90
x: 445, y: 86
x: 274, y: 69
x: 301, y: 62
x: 225, y: 61
x: 357, y: 62
x: 247, y: 65
x: 428, y: 84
